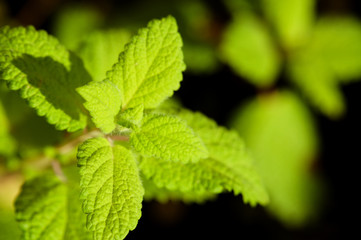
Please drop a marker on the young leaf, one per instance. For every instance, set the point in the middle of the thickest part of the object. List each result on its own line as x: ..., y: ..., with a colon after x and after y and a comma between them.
x: 103, y: 103
x: 169, y: 138
x: 111, y: 189
x: 131, y: 117
x: 228, y: 167
x: 150, y: 68
x: 45, y: 210
x: 46, y: 75
x: 292, y: 20
x: 279, y: 131
x: 248, y: 48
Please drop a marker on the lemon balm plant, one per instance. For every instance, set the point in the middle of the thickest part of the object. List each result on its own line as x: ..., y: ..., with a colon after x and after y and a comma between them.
x: 132, y: 143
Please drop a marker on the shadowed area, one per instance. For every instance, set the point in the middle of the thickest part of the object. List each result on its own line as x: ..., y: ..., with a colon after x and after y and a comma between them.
x: 55, y: 82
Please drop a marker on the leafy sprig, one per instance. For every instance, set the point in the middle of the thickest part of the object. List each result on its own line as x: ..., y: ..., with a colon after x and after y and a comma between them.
x: 138, y: 139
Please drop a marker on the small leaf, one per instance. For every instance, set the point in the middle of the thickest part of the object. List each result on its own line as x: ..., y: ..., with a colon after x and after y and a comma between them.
x: 131, y: 117
x: 248, y: 48
x: 169, y: 138
x: 46, y: 75
x: 111, y: 189
x: 103, y: 103
x: 150, y: 68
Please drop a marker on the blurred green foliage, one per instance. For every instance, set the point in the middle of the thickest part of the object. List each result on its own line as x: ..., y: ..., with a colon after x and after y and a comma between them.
x: 281, y: 134
x: 248, y: 48
x: 319, y: 55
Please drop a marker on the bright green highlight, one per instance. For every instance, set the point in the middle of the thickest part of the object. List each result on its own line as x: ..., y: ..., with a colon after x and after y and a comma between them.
x: 111, y: 189
x: 168, y: 138
x: 280, y: 133
x: 150, y: 68
x: 46, y: 75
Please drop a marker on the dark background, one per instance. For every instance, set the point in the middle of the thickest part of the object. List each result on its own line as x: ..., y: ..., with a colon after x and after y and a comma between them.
x: 227, y: 217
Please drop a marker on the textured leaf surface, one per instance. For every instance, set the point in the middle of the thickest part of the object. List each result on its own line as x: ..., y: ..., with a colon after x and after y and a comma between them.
x: 150, y: 68
x: 280, y: 132
x: 248, y: 48
x: 103, y: 103
x: 46, y: 75
x: 228, y: 167
x: 163, y: 195
x: 169, y: 138
x: 100, y: 50
x: 292, y: 20
x: 46, y: 210
x: 41, y: 209
x: 131, y: 117
x: 110, y: 188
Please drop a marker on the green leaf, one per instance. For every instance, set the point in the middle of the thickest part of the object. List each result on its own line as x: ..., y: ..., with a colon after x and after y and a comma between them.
x: 46, y: 75
x: 111, y: 189
x: 248, y: 48
x: 169, y: 138
x: 41, y: 209
x: 76, y: 225
x: 292, y: 20
x: 46, y: 210
x: 341, y: 53
x: 103, y: 103
x: 131, y: 117
x: 228, y: 167
x: 100, y: 50
x: 317, y: 82
x: 280, y: 133
x: 150, y: 68
x: 153, y: 192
